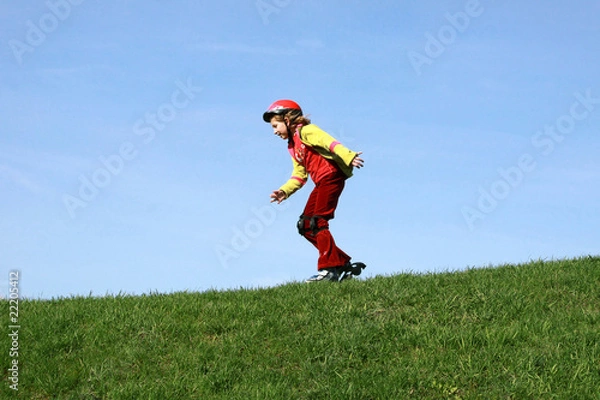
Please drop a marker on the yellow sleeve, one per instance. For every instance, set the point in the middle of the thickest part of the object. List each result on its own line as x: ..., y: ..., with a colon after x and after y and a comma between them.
x: 297, y: 180
x: 316, y: 137
x: 344, y: 153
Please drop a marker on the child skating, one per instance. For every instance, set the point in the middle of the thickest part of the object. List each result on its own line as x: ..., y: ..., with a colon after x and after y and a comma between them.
x: 316, y: 154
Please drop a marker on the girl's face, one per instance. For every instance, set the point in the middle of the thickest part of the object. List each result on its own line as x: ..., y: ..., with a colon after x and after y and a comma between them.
x: 279, y: 128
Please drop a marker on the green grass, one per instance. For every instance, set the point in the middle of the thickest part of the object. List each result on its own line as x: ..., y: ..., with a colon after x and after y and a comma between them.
x: 510, y: 332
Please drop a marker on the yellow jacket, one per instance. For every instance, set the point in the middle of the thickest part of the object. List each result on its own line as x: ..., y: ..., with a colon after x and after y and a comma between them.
x: 321, y: 146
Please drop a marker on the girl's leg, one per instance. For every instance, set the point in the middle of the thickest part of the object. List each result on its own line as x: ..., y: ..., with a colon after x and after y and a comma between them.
x: 320, y: 208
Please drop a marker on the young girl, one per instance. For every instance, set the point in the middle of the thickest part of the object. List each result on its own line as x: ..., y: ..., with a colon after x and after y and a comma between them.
x: 329, y: 164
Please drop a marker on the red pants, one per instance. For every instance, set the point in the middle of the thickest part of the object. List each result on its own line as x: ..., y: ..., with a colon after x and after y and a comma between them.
x: 314, y: 223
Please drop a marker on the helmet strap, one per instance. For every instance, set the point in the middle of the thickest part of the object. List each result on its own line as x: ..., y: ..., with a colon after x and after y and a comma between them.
x: 290, y: 134
x: 289, y: 131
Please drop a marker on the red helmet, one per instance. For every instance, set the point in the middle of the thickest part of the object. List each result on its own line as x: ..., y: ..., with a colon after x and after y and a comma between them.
x: 280, y: 107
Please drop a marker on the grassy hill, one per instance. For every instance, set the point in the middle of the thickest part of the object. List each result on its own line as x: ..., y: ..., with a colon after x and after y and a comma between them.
x: 510, y: 332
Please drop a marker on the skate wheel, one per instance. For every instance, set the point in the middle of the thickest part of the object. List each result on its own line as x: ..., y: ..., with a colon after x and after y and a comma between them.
x: 357, y: 268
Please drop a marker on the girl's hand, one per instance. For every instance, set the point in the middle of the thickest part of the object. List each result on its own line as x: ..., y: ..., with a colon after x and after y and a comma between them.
x: 357, y: 161
x: 278, y: 196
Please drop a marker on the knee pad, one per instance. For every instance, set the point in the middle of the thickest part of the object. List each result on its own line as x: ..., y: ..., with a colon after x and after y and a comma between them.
x: 313, y: 227
x: 301, y: 225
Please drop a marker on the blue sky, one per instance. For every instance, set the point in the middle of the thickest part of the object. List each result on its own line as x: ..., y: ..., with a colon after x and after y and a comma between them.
x: 133, y: 156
